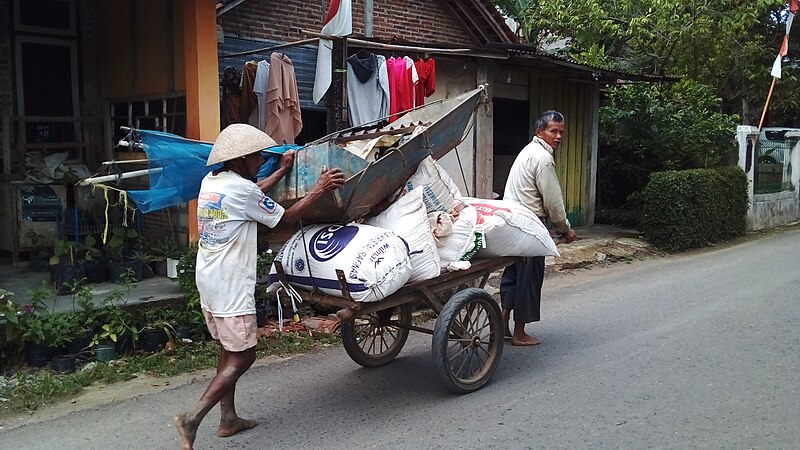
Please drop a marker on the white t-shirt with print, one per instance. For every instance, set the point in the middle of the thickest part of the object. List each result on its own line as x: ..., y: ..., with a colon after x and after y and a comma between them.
x: 228, y: 208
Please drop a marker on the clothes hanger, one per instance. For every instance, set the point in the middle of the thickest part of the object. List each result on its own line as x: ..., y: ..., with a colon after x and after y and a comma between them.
x: 363, y: 54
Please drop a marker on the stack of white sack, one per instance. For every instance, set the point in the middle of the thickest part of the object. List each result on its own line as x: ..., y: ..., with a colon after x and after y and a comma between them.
x: 439, y: 191
x: 407, y: 218
x: 512, y: 229
x: 455, y: 227
x: 375, y: 261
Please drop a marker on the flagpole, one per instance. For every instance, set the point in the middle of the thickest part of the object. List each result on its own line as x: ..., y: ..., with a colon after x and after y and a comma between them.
x: 766, y: 105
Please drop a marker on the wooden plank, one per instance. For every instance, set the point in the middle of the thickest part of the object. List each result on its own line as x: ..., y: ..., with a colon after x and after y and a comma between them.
x: 484, y: 137
x: 6, y: 145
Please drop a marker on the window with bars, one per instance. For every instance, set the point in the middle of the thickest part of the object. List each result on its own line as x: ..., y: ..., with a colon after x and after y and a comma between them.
x: 773, y: 162
x: 166, y: 114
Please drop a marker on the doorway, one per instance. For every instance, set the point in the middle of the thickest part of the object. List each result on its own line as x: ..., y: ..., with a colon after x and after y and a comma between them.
x: 511, y: 133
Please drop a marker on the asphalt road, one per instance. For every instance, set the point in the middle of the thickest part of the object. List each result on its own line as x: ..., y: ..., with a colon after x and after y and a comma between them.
x: 697, y: 350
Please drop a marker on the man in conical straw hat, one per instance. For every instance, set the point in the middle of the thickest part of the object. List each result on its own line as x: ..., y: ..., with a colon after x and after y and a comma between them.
x: 228, y: 209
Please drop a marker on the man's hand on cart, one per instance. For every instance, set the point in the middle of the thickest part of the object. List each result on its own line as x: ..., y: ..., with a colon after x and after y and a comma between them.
x: 330, y: 180
x: 287, y: 159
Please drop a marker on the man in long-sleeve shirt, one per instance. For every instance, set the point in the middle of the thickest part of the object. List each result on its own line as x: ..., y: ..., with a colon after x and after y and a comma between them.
x: 533, y: 182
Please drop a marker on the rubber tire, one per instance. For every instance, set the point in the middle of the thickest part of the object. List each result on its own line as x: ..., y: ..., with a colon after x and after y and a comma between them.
x: 441, y: 332
x: 357, y: 354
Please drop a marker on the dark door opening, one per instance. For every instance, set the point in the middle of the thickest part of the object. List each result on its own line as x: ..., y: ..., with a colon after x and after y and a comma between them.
x: 511, y: 127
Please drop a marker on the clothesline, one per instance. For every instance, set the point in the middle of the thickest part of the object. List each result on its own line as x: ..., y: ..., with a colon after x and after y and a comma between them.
x: 269, y: 49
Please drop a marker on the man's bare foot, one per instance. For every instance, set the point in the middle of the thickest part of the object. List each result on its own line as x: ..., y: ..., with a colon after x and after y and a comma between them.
x: 525, y: 340
x: 506, y: 319
x: 186, y: 430
x: 230, y: 428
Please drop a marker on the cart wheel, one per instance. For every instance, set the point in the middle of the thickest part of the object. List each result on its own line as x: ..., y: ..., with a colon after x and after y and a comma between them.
x: 376, y: 339
x: 468, y: 340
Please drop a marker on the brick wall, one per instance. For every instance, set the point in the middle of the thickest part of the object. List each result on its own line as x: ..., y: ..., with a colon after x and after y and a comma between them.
x: 423, y: 21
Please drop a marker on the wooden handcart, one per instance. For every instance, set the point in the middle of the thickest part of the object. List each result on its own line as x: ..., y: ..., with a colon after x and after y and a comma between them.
x: 467, y: 338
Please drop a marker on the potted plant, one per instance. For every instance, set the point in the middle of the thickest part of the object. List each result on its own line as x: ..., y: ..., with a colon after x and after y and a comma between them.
x: 64, y: 265
x: 119, y: 248
x: 40, y: 256
x: 162, y: 251
x: 95, y: 264
x: 117, y: 325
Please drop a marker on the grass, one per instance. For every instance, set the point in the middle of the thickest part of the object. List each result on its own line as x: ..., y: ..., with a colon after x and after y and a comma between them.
x: 28, y: 391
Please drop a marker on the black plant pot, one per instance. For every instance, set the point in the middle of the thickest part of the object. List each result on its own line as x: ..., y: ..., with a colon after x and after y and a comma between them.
x: 39, y: 261
x: 124, y: 344
x: 63, y: 363
x: 64, y: 273
x: 79, y: 345
x: 147, y: 270
x: 152, y: 340
x: 118, y: 269
x: 261, y: 315
x: 96, y: 271
x: 37, y: 355
x: 183, y: 331
x: 160, y: 268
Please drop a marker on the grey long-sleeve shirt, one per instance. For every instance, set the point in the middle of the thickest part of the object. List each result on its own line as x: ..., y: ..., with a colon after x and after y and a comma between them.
x: 533, y: 183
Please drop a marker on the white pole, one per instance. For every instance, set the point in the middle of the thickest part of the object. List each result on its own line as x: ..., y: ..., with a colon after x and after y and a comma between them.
x: 122, y: 176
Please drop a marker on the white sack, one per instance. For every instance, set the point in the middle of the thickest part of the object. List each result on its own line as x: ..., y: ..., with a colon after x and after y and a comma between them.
x: 408, y: 219
x: 454, y: 246
x: 512, y: 230
x: 375, y: 261
x: 440, y: 193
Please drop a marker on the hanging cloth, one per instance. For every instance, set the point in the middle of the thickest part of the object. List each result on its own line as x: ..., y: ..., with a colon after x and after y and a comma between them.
x: 367, y: 88
x: 284, y: 120
x: 338, y: 22
x: 427, y: 80
x: 232, y: 94
x: 260, y: 91
x: 249, y: 100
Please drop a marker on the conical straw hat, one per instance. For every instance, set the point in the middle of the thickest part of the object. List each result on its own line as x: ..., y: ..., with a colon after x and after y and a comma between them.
x: 238, y: 139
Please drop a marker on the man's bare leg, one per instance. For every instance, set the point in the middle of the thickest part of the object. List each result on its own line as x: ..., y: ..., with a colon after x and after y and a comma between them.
x: 522, y: 338
x: 506, y: 320
x: 230, y: 367
x: 229, y: 422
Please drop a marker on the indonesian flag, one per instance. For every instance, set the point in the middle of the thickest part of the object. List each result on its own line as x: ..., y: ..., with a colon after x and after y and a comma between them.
x: 338, y: 22
x: 776, y: 66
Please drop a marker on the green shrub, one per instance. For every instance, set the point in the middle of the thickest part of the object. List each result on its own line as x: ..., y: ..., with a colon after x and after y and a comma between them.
x: 692, y: 208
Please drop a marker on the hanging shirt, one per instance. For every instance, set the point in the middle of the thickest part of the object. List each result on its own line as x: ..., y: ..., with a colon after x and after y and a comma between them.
x: 367, y: 88
x: 427, y: 80
x: 260, y: 90
x: 284, y: 121
x: 401, y: 92
x: 228, y: 210
x: 249, y: 103
x: 232, y: 94
x: 412, y: 73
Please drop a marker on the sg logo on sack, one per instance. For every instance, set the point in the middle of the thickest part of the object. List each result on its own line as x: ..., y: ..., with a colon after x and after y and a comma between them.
x: 330, y: 241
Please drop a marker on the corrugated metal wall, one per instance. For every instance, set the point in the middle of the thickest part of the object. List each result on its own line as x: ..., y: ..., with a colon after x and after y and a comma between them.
x: 304, y: 60
x: 575, y: 101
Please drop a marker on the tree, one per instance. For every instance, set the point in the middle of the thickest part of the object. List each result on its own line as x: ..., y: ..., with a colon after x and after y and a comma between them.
x: 727, y: 44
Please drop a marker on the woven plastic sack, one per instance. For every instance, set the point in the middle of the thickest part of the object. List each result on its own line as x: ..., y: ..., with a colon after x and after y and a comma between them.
x: 408, y: 219
x: 453, y: 247
x: 375, y: 261
x: 439, y: 192
x: 512, y: 230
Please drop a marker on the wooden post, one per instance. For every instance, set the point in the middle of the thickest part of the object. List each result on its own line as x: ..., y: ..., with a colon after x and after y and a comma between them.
x: 484, y: 135
x: 766, y: 105
x: 6, y: 145
x: 337, y: 94
x: 202, y: 81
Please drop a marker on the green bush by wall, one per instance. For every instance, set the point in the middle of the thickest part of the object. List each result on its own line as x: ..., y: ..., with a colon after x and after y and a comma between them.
x: 692, y: 208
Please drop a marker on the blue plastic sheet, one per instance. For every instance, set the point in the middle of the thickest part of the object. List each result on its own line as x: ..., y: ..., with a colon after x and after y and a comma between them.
x: 184, y: 166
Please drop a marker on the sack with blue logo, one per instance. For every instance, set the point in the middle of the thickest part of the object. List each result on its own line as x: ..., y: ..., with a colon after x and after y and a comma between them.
x: 375, y: 261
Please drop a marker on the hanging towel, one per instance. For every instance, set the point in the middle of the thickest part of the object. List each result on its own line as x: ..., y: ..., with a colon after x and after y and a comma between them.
x: 284, y: 121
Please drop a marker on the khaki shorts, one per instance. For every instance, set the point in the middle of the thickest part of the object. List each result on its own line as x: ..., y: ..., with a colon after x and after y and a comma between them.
x: 236, y: 334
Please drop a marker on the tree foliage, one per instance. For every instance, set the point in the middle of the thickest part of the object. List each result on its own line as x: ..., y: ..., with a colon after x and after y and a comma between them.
x: 646, y: 128
x: 727, y: 44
